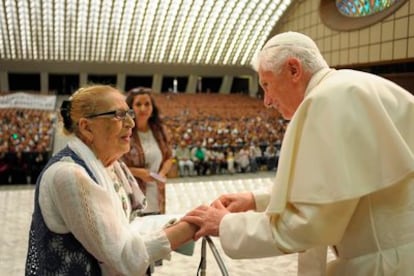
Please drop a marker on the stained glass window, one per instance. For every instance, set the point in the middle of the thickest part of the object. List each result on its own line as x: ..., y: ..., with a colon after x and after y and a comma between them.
x: 347, y: 15
x: 361, y: 8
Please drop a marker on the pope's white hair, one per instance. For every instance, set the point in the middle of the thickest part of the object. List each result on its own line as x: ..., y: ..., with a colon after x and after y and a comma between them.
x: 286, y: 45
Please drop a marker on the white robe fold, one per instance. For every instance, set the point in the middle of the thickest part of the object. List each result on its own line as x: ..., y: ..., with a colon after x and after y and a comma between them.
x: 346, y: 163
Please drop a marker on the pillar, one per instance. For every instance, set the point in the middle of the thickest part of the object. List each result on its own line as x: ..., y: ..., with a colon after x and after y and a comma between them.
x: 192, y: 84
x: 120, y: 81
x: 4, y: 82
x: 253, y: 86
x: 226, y: 84
x: 83, y: 79
x: 44, y: 83
x: 157, y: 83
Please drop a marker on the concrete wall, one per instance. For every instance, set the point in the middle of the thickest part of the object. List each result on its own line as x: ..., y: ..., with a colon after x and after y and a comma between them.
x: 388, y: 41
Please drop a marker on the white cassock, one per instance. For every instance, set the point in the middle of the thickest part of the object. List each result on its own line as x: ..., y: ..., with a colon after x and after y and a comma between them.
x: 345, y: 179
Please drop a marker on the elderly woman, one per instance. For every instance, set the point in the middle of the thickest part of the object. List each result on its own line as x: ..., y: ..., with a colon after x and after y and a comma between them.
x: 84, y: 197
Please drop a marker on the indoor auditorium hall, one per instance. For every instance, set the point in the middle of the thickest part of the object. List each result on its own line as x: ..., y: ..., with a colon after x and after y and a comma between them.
x: 279, y: 131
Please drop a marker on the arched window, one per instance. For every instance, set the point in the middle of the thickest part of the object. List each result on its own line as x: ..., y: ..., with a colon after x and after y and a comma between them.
x: 360, y: 8
x: 347, y: 15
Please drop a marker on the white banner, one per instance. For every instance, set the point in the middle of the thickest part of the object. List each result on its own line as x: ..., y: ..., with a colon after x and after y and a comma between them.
x: 26, y: 100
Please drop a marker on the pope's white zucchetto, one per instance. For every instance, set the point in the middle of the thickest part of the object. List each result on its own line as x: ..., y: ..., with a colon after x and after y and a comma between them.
x: 291, y: 39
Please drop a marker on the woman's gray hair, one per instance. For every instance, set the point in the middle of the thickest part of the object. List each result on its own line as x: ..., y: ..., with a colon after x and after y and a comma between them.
x: 84, y: 102
x: 287, y: 45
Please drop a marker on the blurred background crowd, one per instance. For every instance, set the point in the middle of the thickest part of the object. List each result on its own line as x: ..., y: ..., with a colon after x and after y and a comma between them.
x: 209, y: 134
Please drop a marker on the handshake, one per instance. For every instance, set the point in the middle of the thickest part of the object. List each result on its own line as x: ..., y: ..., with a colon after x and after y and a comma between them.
x: 207, y: 219
x: 199, y: 222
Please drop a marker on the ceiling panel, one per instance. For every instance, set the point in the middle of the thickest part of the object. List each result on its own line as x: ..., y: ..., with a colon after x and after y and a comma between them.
x: 212, y: 32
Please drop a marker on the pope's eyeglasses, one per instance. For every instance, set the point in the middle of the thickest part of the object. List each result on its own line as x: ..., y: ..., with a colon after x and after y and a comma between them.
x: 117, y: 114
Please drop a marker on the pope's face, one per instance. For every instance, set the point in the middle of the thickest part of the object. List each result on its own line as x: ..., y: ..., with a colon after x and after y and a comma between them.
x: 280, y: 91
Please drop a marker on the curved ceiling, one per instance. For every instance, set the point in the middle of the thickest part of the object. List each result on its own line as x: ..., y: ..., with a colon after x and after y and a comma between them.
x: 212, y: 32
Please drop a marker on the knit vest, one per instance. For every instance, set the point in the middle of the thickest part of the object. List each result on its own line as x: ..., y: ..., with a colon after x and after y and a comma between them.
x: 51, y: 253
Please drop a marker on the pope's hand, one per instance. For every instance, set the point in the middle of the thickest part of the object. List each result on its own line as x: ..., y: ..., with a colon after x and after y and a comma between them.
x: 237, y: 202
x: 207, y: 218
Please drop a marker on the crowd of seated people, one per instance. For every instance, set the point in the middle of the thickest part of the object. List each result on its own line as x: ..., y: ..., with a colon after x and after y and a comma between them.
x: 210, y: 133
x: 216, y: 133
x: 25, y: 143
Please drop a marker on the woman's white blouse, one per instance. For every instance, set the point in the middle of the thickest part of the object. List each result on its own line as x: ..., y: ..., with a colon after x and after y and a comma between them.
x: 71, y: 201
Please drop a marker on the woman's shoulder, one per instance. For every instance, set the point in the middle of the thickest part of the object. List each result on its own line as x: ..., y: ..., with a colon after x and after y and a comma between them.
x: 64, y: 169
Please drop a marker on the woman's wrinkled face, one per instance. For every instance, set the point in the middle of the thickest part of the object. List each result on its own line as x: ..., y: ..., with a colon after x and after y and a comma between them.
x: 111, y: 135
x: 142, y: 106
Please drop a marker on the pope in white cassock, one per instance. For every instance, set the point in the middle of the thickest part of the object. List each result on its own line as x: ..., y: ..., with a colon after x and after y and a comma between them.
x: 346, y: 171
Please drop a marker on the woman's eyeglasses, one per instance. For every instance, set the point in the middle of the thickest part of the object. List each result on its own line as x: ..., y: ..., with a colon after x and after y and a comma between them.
x: 117, y: 114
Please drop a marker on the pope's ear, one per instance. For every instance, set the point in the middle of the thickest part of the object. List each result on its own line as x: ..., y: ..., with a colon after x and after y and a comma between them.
x: 294, y: 67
